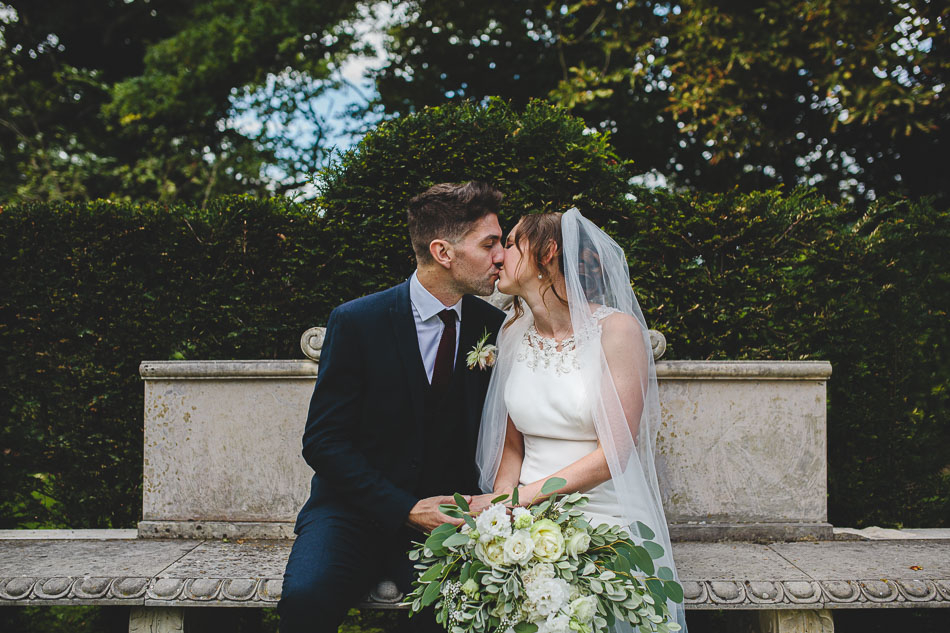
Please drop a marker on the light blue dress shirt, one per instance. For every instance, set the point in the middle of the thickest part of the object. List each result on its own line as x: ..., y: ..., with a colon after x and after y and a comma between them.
x: 425, y: 312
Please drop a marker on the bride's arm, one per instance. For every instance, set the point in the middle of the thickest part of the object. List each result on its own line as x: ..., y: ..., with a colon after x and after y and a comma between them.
x: 509, y: 470
x: 589, y: 471
x: 627, y: 363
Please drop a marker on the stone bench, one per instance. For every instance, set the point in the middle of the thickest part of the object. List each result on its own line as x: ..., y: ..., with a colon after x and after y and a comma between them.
x: 741, y: 456
x: 791, y: 585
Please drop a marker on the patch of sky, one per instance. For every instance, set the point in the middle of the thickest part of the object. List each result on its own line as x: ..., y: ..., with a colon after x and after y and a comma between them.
x: 328, y: 116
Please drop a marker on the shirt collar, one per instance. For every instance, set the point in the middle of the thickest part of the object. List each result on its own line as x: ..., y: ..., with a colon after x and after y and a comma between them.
x: 425, y: 304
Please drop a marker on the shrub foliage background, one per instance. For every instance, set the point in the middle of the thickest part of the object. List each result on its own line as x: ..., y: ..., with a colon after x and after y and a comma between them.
x: 89, y: 291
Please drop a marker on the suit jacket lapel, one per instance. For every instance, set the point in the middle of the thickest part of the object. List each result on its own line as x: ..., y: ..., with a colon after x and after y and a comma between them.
x: 471, y: 331
x: 407, y: 343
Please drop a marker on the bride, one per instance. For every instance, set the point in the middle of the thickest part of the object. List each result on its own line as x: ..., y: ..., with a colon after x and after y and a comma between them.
x: 573, y: 393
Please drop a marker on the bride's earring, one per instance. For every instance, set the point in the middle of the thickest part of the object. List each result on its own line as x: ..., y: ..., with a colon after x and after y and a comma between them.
x: 539, y: 276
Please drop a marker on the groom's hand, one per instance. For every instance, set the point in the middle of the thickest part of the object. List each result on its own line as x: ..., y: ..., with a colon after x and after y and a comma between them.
x: 425, y: 515
x: 480, y: 502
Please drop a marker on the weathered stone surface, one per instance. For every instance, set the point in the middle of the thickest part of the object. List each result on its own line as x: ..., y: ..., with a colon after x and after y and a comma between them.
x: 719, y: 531
x: 221, y: 449
x: 156, y: 620
x: 835, y: 560
x: 732, y: 562
x: 217, y: 529
x: 800, y: 621
x: 714, y: 575
x: 735, y: 448
x: 85, y: 535
x: 121, y: 558
x: 215, y: 559
x: 741, y: 449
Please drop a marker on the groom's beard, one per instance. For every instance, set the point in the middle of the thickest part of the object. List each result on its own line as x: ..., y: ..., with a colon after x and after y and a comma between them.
x: 469, y: 282
x: 485, y: 289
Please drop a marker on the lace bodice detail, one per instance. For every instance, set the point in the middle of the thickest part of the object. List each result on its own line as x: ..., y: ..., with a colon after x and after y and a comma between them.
x: 548, y: 353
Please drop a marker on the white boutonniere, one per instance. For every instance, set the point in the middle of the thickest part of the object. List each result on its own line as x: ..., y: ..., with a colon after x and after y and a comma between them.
x: 483, y: 355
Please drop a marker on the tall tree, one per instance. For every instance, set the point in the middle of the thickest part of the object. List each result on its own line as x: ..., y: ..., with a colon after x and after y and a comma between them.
x: 136, y: 98
x: 847, y: 96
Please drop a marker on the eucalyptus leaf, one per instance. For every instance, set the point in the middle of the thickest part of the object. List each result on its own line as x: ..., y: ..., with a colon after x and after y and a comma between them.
x: 431, y: 593
x: 525, y: 627
x: 664, y: 573
x: 674, y: 591
x: 552, y: 485
x: 645, y: 531
x: 432, y: 573
x: 499, y: 498
x: 642, y: 560
x: 656, y: 588
x: 461, y: 502
x: 654, y: 549
x: 456, y: 539
x: 514, y: 497
x: 621, y: 564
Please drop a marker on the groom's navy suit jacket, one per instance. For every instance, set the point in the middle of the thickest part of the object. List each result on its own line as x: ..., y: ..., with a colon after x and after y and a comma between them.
x: 372, y: 419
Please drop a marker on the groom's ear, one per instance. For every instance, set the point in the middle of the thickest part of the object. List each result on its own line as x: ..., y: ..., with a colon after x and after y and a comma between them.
x: 442, y: 252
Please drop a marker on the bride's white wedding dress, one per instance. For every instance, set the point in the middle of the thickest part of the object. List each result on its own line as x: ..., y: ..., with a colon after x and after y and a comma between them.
x: 548, y: 404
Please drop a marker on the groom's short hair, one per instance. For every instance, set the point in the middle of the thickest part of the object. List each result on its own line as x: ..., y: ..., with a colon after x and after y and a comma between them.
x: 447, y: 211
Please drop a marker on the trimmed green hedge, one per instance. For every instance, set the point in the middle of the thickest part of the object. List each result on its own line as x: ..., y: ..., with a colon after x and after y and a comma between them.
x: 89, y: 291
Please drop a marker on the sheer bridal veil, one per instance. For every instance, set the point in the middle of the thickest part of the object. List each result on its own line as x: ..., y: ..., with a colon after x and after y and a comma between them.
x: 626, y: 422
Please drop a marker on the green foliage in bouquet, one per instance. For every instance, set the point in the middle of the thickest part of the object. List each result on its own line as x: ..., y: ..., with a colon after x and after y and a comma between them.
x: 543, y: 569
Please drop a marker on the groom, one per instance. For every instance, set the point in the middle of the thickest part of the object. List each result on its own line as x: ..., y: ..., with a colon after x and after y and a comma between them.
x: 393, y: 421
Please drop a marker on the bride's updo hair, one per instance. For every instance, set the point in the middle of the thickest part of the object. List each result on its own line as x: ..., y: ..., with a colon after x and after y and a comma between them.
x: 540, y: 231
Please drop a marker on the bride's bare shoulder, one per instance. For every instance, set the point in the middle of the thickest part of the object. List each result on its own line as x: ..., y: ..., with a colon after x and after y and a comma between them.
x: 619, y: 325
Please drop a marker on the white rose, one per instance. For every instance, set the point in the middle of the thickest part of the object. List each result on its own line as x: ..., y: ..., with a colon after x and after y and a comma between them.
x: 548, y: 540
x: 518, y: 548
x: 583, y: 609
x: 577, y: 543
x: 491, y: 553
x: 537, y: 573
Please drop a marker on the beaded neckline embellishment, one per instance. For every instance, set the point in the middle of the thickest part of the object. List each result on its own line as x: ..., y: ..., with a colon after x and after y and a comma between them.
x: 540, y: 351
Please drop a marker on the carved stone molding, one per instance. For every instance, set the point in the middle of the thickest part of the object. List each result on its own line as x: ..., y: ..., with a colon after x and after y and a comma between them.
x: 156, y: 620
x: 311, y: 342
x: 658, y: 343
x: 800, y: 621
x: 719, y: 594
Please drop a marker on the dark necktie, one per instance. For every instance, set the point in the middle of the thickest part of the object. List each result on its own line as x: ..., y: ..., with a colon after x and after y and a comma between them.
x: 445, y: 356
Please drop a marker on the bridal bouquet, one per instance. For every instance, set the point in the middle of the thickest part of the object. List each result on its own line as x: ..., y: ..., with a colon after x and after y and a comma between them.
x: 541, y: 569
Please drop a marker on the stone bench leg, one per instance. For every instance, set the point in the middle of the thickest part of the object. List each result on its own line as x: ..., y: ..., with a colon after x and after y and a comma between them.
x: 796, y: 621
x: 157, y: 620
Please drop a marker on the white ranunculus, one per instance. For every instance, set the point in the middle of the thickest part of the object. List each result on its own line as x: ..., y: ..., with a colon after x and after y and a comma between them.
x: 546, y: 596
x: 583, y: 609
x: 493, y: 522
x: 491, y: 553
x: 577, y: 543
x: 522, y: 518
x: 519, y: 547
x: 548, y: 540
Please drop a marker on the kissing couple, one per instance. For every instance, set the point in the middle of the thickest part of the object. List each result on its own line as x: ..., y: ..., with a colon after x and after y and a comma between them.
x: 409, y: 408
